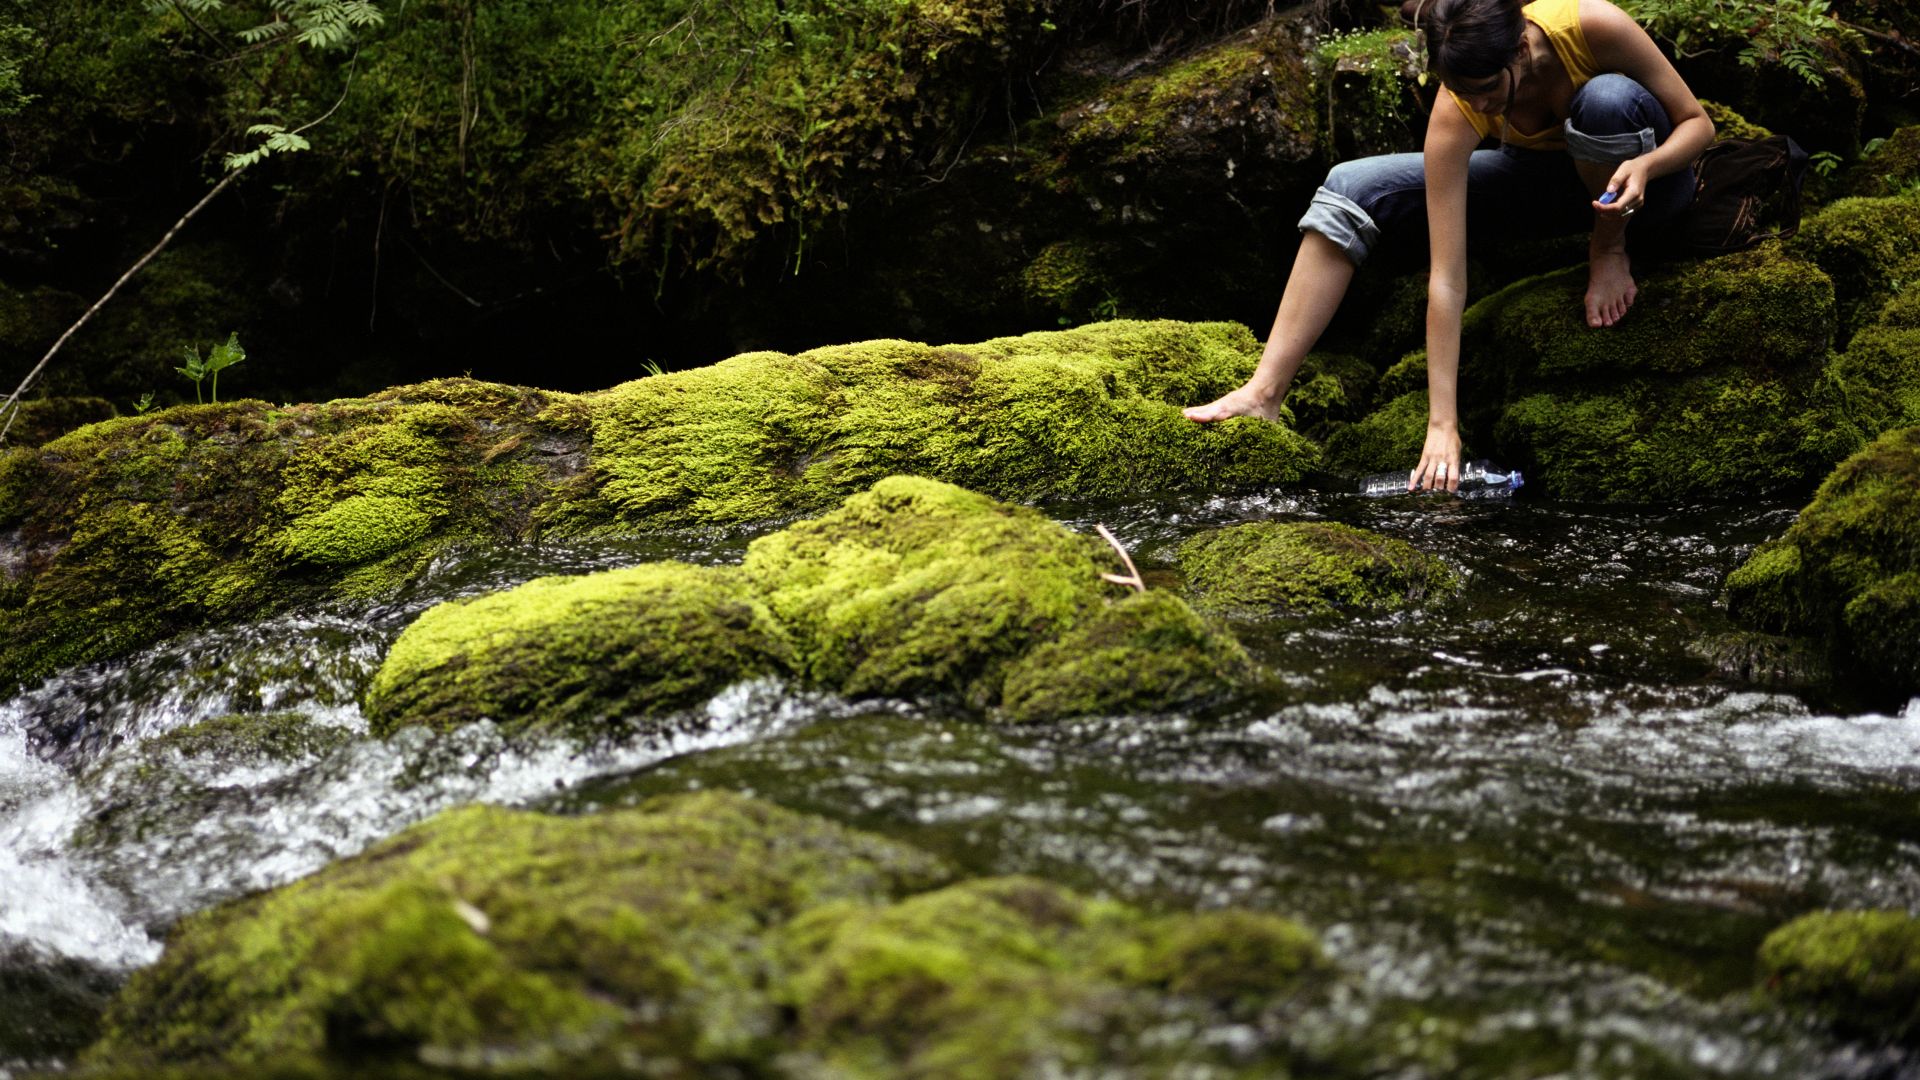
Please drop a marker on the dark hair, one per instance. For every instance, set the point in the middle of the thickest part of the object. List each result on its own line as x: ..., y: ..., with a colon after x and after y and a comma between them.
x: 1468, y: 39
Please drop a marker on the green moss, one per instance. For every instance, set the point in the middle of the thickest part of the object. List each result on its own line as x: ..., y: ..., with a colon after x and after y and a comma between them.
x: 1370, y: 91
x: 1307, y: 566
x: 1233, y: 957
x: 517, y: 933
x: 1147, y: 652
x: 47, y: 419
x: 921, y: 587
x: 1150, y: 116
x: 1861, y: 969
x: 1390, y: 437
x: 584, y: 653
x: 1067, y: 279
x: 1845, y: 572
x: 1728, y: 124
x: 1892, y: 168
x: 1329, y: 390
x: 1869, y: 247
x: 1088, y: 412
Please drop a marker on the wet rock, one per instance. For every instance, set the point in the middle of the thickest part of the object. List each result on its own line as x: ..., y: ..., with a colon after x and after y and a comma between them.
x: 1146, y: 652
x: 1089, y: 412
x: 1308, y: 566
x: 914, y: 588
x: 1860, y: 969
x: 699, y: 931
x: 1767, y: 660
x: 1847, y: 574
x: 47, y: 419
x: 130, y: 530
x: 579, y: 653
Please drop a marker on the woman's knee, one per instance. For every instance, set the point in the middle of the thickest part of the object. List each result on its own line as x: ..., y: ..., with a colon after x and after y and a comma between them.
x: 1613, y: 104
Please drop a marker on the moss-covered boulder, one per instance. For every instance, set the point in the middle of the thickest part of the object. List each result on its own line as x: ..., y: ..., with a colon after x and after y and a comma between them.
x: 1869, y: 247
x: 577, y: 652
x: 45, y: 419
x: 914, y: 588
x: 1388, y: 438
x: 127, y: 531
x: 1890, y: 168
x: 1088, y: 412
x: 699, y: 932
x: 1308, y: 566
x: 1149, y: 651
x: 1860, y: 969
x: 1847, y: 572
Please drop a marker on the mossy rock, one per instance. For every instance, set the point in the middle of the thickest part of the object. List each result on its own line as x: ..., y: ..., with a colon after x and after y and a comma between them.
x: 1329, y: 391
x: 135, y: 528
x: 1868, y: 246
x: 130, y: 530
x: 1768, y: 660
x: 43, y: 420
x: 697, y: 932
x: 1088, y: 412
x: 914, y: 588
x: 1718, y: 382
x: 1390, y: 437
x: 1728, y: 124
x: 1847, y: 572
x: 492, y: 928
x: 1860, y: 969
x: 1308, y: 566
x: 582, y: 653
x: 1893, y: 168
x: 1147, y: 652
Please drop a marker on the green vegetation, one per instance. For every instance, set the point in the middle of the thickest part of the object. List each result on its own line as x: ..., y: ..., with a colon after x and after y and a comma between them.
x: 219, y: 358
x: 147, y: 525
x: 696, y: 932
x: 914, y: 588
x: 1847, y: 573
x: 584, y: 653
x: 1380, y: 109
x: 1800, y: 35
x: 1302, y: 567
x: 1860, y: 969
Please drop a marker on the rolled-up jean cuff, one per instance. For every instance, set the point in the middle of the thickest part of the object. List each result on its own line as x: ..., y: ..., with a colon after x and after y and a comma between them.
x: 1609, y: 149
x: 1341, y: 220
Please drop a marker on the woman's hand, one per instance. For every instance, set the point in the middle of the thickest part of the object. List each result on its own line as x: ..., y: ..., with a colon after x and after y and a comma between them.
x: 1439, y: 466
x: 1629, y: 186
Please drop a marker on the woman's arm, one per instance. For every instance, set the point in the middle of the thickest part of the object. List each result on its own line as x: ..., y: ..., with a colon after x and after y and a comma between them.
x: 1619, y: 44
x: 1449, y: 145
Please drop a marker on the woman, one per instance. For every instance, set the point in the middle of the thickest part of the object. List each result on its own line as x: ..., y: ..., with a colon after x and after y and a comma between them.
x: 1596, y: 131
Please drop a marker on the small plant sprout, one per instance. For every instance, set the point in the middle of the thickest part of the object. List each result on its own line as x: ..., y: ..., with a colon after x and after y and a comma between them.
x: 145, y: 403
x: 1131, y: 578
x: 220, y: 356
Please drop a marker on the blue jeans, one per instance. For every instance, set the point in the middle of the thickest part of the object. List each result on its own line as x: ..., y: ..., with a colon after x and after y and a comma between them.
x: 1511, y: 193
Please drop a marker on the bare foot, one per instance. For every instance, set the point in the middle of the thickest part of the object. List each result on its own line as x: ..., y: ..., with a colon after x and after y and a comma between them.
x: 1245, y: 401
x: 1610, y: 288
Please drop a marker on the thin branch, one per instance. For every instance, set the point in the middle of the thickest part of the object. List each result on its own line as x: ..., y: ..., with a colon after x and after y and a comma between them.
x: 1132, y: 577
x: 218, y: 43
x: 1894, y: 39
x: 12, y: 406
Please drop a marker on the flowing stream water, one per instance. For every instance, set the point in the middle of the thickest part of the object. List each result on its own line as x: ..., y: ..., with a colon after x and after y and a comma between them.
x: 1540, y: 835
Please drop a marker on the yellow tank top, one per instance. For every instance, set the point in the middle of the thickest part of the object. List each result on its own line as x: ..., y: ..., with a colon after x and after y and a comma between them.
x: 1561, y: 21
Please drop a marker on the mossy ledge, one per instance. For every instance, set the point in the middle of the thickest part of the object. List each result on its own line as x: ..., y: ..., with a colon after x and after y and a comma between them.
x: 914, y: 588
x: 699, y: 932
x: 1859, y: 969
x: 1748, y: 374
x: 127, y: 531
x: 1302, y: 567
x: 1847, y: 571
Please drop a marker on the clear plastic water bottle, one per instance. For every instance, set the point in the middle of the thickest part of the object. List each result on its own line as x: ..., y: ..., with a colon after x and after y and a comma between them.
x: 1478, y: 480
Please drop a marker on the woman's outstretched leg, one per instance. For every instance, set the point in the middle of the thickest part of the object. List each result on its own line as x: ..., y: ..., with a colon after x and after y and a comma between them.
x: 1318, y: 281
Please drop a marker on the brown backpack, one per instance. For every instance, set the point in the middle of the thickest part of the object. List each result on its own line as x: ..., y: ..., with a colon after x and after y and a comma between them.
x: 1745, y: 191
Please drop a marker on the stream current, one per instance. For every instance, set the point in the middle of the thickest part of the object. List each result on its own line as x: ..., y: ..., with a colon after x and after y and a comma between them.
x: 1527, y: 820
